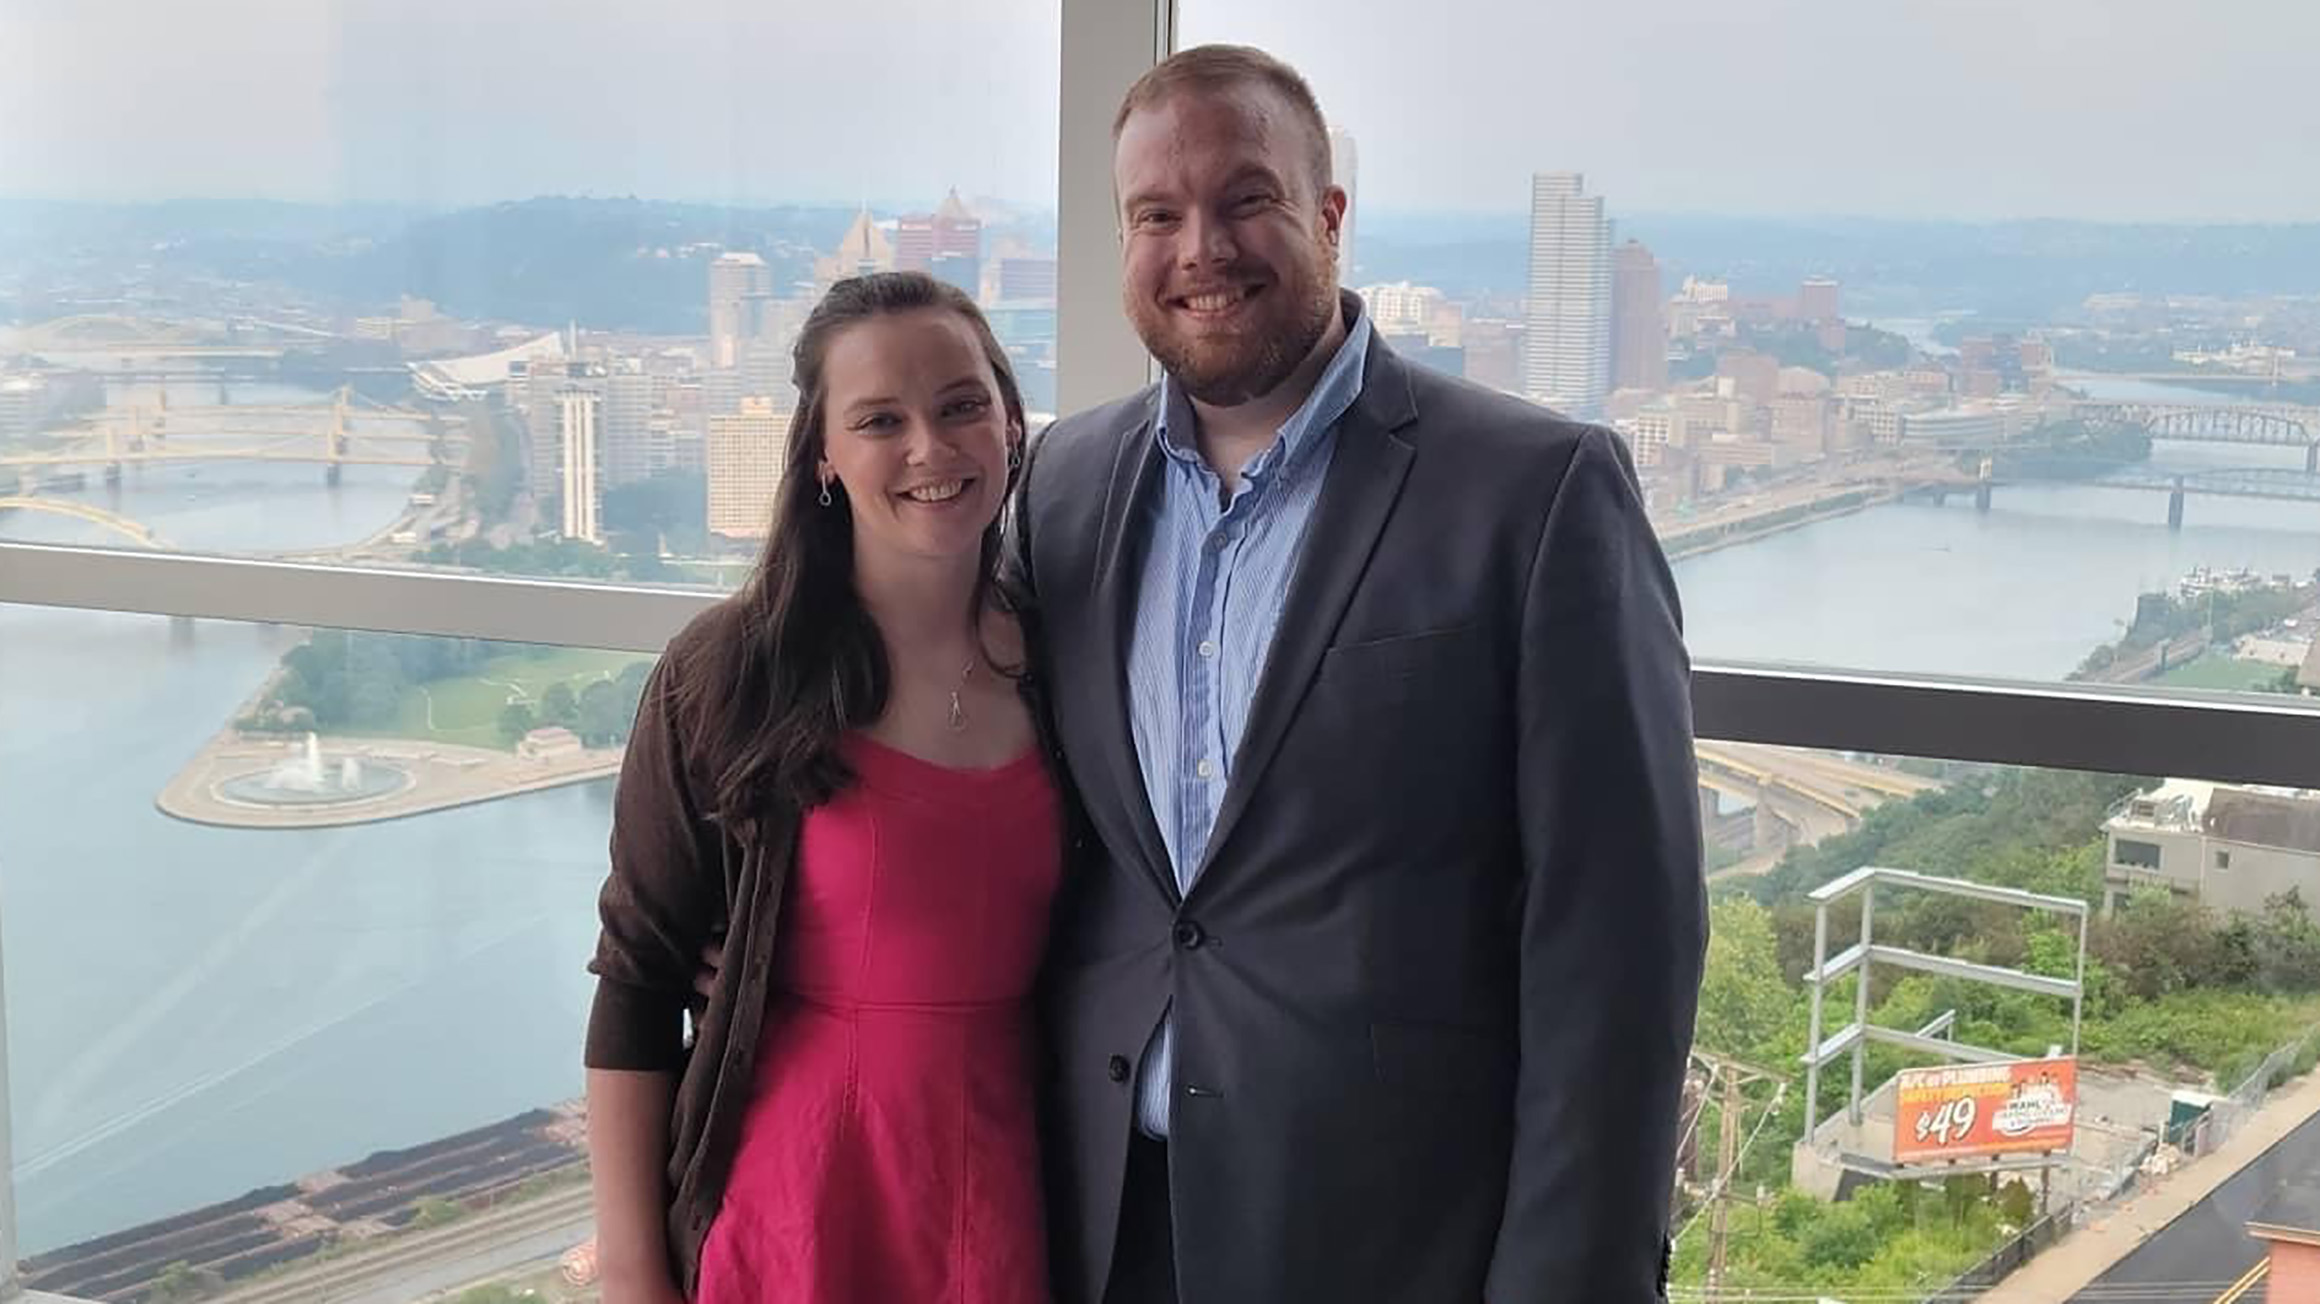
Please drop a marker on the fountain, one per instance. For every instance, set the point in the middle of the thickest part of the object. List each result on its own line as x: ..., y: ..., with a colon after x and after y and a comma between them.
x: 304, y: 779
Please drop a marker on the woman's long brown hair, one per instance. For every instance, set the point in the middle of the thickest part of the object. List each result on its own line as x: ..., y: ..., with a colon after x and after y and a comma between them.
x: 809, y: 663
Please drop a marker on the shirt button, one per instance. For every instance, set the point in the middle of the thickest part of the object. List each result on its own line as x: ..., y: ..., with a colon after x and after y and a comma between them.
x: 1117, y: 1069
x: 1208, y: 647
x: 1204, y: 769
x: 1216, y: 542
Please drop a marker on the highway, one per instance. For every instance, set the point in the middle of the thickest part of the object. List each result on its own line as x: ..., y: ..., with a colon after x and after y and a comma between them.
x: 1812, y: 795
x: 2205, y: 1256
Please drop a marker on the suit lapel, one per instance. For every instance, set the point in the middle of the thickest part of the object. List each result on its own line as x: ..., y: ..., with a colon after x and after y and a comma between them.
x: 1365, y: 477
x: 1120, y: 564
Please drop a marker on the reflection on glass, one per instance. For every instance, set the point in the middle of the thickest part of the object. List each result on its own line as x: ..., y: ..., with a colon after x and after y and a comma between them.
x: 1884, y: 418
x: 405, y: 330
x: 245, y: 1028
x: 2196, y: 993
x: 294, y: 927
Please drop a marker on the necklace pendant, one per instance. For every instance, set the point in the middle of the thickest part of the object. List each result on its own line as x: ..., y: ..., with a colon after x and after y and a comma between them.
x: 958, y: 721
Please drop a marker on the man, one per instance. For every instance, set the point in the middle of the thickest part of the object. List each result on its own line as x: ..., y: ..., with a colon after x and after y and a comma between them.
x: 1380, y: 984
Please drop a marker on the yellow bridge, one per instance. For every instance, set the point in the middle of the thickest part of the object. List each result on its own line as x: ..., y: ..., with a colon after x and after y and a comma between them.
x: 1801, y: 797
x: 118, y: 524
x: 347, y: 436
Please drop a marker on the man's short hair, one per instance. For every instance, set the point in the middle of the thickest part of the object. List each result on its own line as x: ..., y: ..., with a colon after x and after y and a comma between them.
x: 1217, y: 69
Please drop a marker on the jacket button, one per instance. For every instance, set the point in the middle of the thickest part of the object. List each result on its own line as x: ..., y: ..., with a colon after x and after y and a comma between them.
x: 1188, y: 935
x: 1117, y: 1069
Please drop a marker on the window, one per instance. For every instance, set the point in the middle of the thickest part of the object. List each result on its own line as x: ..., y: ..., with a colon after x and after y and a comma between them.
x: 1886, y: 421
x: 321, y: 361
x: 504, y: 288
x: 282, y: 903
x: 1786, y: 828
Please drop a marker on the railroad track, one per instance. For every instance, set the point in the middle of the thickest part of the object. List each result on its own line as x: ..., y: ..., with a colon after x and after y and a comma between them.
x: 404, y: 1254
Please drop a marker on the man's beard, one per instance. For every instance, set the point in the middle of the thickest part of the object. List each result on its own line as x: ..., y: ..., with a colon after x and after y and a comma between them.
x: 1234, y: 371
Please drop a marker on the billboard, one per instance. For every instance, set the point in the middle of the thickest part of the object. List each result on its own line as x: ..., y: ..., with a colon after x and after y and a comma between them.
x: 1971, y: 1111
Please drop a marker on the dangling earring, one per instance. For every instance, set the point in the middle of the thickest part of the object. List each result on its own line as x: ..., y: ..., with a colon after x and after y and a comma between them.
x: 1014, y: 457
x: 825, y: 498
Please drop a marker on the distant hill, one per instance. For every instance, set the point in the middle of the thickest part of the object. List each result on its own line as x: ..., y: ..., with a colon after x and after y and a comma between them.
x: 623, y: 264
x: 2025, y: 269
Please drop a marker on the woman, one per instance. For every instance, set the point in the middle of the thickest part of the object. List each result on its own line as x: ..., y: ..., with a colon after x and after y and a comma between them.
x: 836, y: 770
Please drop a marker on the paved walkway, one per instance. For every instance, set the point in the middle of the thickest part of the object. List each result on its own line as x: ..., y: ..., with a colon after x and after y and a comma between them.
x: 2078, y: 1259
x: 443, y: 775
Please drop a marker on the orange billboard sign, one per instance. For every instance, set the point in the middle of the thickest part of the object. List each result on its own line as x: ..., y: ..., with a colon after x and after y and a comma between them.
x: 1969, y: 1111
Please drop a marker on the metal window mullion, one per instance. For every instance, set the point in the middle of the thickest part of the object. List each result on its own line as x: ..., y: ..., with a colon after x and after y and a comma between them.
x: 564, y: 613
x: 2245, y: 739
x: 1107, y: 44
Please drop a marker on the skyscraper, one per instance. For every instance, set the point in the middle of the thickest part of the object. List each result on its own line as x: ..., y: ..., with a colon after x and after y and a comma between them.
x: 863, y: 249
x: 625, y: 442
x: 921, y: 240
x: 1817, y: 300
x: 1638, y: 327
x: 546, y: 381
x: 580, y: 408
x: 1567, y: 329
x: 735, y: 280
x: 1026, y: 278
x: 746, y: 453
x: 1345, y: 168
x: 914, y: 242
x: 1402, y: 308
x: 958, y: 246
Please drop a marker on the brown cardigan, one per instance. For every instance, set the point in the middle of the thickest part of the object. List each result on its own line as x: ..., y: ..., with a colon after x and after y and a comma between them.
x: 680, y: 877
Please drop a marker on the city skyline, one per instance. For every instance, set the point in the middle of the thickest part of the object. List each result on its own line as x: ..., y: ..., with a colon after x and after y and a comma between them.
x: 1567, y: 321
x: 417, y: 103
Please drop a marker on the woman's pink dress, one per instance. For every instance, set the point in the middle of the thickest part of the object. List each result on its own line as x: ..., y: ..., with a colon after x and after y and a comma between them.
x: 890, y: 1153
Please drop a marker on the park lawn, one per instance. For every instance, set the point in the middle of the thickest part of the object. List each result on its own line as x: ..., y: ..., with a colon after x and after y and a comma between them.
x: 467, y: 708
x: 2224, y: 673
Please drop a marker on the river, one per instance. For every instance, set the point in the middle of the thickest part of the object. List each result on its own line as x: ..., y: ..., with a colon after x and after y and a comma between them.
x: 192, y: 1012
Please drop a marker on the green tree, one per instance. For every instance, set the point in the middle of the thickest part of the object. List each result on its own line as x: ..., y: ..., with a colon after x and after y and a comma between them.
x: 602, y: 721
x: 2053, y: 954
x: 181, y: 1282
x: 1839, y: 1236
x: 558, y: 706
x: 671, y: 506
x: 374, y: 703
x: 2158, y: 943
x: 515, y: 721
x: 2286, y: 945
x: 632, y: 680
x: 435, y: 1211
x: 1745, y: 1005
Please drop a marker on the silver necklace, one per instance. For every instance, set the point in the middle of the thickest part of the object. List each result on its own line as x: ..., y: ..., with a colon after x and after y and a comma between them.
x: 958, y: 720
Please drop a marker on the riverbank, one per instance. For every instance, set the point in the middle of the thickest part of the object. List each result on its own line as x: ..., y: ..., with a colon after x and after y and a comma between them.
x: 1698, y: 538
x: 441, y: 776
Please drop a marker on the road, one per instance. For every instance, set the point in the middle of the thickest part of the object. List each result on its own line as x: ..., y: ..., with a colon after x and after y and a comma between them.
x: 416, y: 1265
x: 2206, y: 1254
x: 1813, y: 795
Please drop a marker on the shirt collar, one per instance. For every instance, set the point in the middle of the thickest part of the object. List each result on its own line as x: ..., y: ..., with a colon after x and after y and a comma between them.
x: 1339, y: 385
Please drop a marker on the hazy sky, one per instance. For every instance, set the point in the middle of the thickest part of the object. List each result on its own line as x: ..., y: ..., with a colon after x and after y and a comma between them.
x: 2107, y: 109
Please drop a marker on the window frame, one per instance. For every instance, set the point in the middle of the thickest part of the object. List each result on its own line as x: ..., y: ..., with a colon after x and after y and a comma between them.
x: 1105, y: 45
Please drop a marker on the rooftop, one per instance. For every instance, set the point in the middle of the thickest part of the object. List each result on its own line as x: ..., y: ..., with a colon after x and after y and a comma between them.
x: 2257, y: 816
x: 2294, y: 1207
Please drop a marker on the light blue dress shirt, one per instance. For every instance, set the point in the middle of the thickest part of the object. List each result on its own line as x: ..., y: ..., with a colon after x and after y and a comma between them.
x: 1214, y: 581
